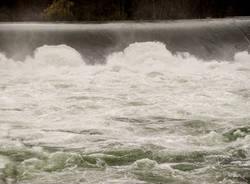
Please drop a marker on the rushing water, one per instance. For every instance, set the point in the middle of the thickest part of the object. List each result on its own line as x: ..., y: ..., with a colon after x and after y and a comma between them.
x: 146, y: 116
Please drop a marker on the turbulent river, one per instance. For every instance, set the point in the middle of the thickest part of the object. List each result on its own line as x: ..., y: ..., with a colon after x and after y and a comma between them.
x: 145, y: 116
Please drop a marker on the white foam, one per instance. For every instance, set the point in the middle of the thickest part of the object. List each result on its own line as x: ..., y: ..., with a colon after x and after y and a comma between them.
x: 147, y: 73
x: 60, y: 55
x: 150, y: 56
x: 243, y: 57
x: 53, y: 99
x: 3, y: 162
x: 143, y: 56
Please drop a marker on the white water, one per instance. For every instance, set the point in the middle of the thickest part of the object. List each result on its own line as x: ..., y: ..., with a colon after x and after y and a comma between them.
x: 144, y: 98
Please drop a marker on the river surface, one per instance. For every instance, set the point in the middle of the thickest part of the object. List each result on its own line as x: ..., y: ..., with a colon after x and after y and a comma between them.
x: 145, y: 116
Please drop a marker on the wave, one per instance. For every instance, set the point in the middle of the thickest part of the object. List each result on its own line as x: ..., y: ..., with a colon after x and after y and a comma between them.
x: 142, y: 54
x: 155, y: 115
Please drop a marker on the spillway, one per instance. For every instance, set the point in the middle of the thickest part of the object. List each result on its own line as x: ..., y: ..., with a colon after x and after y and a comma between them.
x: 206, y: 39
x: 126, y: 103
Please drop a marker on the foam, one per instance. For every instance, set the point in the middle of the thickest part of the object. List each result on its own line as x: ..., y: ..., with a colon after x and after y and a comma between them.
x: 60, y: 55
x: 141, y: 99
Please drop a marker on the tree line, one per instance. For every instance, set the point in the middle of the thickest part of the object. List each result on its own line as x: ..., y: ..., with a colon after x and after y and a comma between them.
x: 104, y: 10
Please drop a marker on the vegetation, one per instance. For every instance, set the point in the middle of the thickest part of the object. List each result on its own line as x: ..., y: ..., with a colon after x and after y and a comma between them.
x: 101, y: 10
x: 59, y: 10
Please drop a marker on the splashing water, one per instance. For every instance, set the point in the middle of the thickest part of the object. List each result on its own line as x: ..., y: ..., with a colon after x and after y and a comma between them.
x: 146, y: 116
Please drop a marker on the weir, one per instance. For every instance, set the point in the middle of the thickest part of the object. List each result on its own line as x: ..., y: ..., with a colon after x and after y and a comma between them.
x: 207, y: 39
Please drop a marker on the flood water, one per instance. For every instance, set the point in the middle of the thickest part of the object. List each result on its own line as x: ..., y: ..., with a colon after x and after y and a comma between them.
x: 144, y: 114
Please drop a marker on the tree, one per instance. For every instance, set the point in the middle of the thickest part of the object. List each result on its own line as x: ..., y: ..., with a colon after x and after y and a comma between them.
x: 59, y: 10
x: 5, y: 14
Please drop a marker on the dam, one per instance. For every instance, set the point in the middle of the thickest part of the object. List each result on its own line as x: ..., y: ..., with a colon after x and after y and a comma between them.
x: 125, y: 102
x: 206, y: 39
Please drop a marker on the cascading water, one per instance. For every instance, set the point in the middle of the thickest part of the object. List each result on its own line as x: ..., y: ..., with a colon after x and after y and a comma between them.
x: 158, y: 111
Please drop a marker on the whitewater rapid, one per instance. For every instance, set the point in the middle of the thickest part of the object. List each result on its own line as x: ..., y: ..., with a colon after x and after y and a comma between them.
x: 145, y: 116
